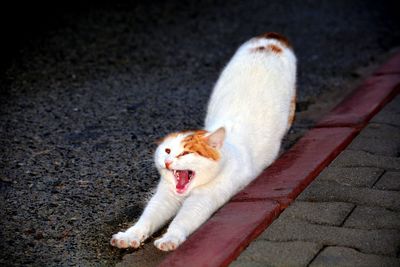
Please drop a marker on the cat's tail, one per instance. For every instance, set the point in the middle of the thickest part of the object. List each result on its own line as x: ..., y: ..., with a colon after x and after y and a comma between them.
x: 277, y: 45
x: 276, y: 36
x: 268, y: 42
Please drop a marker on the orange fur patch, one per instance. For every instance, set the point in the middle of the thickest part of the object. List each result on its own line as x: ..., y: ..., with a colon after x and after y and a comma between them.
x: 273, y: 48
x: 276, y: 36
x: 197, y: 143
x: 292, y: 110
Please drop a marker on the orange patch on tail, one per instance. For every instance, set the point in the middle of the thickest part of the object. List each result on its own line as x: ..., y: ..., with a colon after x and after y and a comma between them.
x: 292, y: 112
x: 276, y: 36
x: 198, y: 143
x: 273, y: 48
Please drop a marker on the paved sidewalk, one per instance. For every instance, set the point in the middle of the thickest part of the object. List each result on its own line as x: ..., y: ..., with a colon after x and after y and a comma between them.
x: 350, y: 214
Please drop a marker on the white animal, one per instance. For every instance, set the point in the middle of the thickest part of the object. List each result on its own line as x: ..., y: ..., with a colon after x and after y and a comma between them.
x: 251, y: 108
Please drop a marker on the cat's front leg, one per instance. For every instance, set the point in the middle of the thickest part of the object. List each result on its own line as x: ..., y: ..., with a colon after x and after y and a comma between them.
x: 170, y: 241
x: 195, y: 211
x: 161, y: 207
x: 132, y: 237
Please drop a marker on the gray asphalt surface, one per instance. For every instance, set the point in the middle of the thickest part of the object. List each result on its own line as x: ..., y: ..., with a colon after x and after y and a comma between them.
x: 82, y: 103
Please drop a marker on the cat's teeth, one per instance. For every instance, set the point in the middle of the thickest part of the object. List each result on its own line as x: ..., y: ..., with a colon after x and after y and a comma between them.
x: 176, y: 174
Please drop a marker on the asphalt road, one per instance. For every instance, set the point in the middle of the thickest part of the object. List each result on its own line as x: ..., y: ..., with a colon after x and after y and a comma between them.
x: 87, y: 89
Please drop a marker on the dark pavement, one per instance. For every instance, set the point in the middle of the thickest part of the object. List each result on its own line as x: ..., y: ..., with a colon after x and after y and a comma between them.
x: 87, y: 90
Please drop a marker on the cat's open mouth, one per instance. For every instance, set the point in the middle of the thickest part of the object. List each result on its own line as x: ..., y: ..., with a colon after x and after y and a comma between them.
x: 183, y: 178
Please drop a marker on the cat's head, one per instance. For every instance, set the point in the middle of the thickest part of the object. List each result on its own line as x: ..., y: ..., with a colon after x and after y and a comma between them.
x: 189, y: 159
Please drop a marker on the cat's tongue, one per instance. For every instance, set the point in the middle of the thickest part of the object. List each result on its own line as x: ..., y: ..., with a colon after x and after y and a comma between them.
x: 182, y: 178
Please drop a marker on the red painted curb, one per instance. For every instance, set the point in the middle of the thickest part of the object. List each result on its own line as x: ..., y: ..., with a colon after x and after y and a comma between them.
x: 364, y: 102
x: 221, y: 239
x: 296, y: 168
x: 225, y: 235
x: 392, y: 66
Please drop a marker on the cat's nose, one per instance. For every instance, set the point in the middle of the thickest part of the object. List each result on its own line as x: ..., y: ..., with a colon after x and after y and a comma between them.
x: 167, y: 163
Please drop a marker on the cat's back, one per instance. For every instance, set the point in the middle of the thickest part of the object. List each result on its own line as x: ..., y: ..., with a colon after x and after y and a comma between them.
x: 258, y: 82
x: 255, y: 91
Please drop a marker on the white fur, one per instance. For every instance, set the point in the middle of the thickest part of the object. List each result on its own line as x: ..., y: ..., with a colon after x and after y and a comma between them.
x: 251, y: 101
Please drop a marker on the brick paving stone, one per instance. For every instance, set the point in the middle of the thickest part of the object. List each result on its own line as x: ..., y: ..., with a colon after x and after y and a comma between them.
x: 267, y: 253
x: 343, y: 256
x: 354, y: 176
x: 379, y: 130
x: 379, y: 146
x: 390, y: 114
x: 377, y: 138
x: 384, y: 242
x: 353, y: 158
x: 329, y: 213
x: 247, y: 263
x: 389, y: 181
x: 392, y: 119
x: 352, y: 209
x: 373, y: 218
x: 327, y: 191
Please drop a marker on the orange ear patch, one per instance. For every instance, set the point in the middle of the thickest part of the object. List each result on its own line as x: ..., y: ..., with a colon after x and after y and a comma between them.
x: 198, y: 143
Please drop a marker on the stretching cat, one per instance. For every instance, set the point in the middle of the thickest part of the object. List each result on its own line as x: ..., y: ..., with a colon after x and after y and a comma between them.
x: 250, y: 110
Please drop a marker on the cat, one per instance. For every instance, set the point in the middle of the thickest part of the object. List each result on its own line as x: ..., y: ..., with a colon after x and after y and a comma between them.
x: 251, y: 108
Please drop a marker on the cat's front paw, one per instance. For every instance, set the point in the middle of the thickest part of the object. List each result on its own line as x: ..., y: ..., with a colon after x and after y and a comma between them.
x: 168, y: 242
x: 127, y: 239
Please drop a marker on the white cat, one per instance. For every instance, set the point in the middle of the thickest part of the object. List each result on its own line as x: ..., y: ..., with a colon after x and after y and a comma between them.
x: 250, y: 110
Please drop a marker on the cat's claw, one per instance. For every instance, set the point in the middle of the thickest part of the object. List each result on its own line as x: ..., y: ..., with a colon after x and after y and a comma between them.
x: 125, y: 240
x: 167, y: 243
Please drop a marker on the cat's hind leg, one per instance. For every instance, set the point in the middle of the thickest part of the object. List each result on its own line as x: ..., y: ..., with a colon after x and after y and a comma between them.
x: 161, y: 207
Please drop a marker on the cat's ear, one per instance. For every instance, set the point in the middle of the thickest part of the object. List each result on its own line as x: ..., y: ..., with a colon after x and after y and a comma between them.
x: 159, y: 141
x: 216, y: 138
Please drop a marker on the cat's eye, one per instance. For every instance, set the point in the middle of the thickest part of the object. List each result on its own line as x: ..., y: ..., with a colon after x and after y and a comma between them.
x: 183, y: 153
x: 167, y: 150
